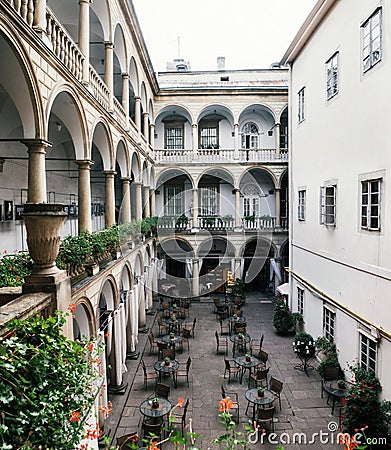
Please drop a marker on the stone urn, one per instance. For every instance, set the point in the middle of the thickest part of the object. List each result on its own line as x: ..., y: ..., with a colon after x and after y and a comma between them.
x: 43, y: 222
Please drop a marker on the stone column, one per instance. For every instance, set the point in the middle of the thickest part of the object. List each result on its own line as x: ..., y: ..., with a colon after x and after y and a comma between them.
x: 36, y: 179
x: 109, y: 68
x: 278, y: 144
x: 195, y: 208
x: 125, y: 208
x: 84, y: 36
x: 146, y: 127
x: 238, y: 222
x: 194, y: 135
x: 278, y: 207
x: 155, y: 283
x: 142, y: 319
x: 109, y: 198
x: 237, y: 268
x: 138, y: 209
x: 236, y: 141
x: 84, y: 196
x: 137, y: 113
x: 196, y: 277
x: 125, y: 95
x: 152, y: 135
x: 146, y: 209
x: 153, y: 202
x: 39, y: 19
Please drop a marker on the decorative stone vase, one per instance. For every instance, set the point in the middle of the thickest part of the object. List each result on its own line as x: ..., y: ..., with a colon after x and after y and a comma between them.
x: 43, y: 222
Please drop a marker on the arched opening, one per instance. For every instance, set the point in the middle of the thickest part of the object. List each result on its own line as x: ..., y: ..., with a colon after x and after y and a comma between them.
x: 250, y: 135
x: 256, y: 268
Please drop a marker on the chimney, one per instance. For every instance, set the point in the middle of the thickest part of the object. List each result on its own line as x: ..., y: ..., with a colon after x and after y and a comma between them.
x: 221, y: 63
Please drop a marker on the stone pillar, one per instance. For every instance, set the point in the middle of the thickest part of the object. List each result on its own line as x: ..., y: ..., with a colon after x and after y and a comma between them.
x: 278, y: 207
x: 125, y: 208
x: 142, y: 318
x: 153, y: 202
x: 109, y: 69
x: 109, y: 198
x: 84, y: 196
x: 138, y: 209
x: 137, y: 113
x: 236, y: 141
x: 125, y: 95
x: 152, y: 135
x: 155, y: 283
x: 196, y: 277
x: 84, y: 36
x: 36, y: 178
x: 146, y: 209
x: 39, y: 19
x: 195, y: 208
x: 237, y: 268
x: 238, y: 222
x: 194, y: 136
x: 146, y: 127
x: 278, y: 144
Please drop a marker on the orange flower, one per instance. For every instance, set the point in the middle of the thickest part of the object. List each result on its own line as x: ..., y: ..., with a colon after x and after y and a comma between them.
x: 72, y: 307
x: 347, y: 441
x: 107, y: 335
x: 153, y: 446
x: 75, y: 416
x: 90, y: 346
x: 180, y: 402
x: 225, y: 404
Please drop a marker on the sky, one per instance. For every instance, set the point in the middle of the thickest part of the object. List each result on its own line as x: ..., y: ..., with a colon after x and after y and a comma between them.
x: 250, y: 34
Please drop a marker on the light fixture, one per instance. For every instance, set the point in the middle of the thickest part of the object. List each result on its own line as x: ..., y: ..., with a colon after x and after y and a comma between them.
x: 58, y: 125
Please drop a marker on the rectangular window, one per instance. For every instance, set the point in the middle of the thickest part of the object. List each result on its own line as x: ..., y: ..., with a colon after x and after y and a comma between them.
x: 332, y: 76
x: 209, y: 204
x: 301, y: 205
x: 370, y: 204
x: 328, y: 324
x: 174, y: 138
x: 372, y: 40
x: 173, y: 200
x: 368, y: 353
x: 209, y: 137
x: 300, y: 300
x: 300, y: 113
x: 328, y: 205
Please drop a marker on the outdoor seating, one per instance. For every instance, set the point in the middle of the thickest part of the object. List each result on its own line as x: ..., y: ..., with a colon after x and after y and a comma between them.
x: 224, y: 327
x: 232, y: 368
x: 240, y: 328
x: 151, y: 430
x: 330, y: 373
x: 162, y: 346
x: 184, y: 372
x: 260, y: 376
x: 191, y: 327
x: 221, y: 342
x: 256, y: 348
x: 265, y: 416
x: 162, y: 328
x: 263, y: 356
x: 216, y: 302
x: 152, y: 343
x: 185, y: 339
x: 162, y: 391
x: 275, y: 386
x: 221, y: 312
x: 168, y: 353
x: 125, y: 439
x: 148, y: 375
x: 235, y: 401
x: 180, y: 419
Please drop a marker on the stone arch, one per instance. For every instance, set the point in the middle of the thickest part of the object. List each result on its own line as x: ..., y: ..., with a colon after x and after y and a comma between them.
x: 135, y: 166
x: 263, y: 168
x: 122, y: 158
x: 220, y: 172
x: 170, y: 173
x: 102, y: 140
x: 84, y: 321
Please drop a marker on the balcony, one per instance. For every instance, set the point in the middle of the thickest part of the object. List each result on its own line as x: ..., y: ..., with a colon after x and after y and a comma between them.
x: 165, y: 156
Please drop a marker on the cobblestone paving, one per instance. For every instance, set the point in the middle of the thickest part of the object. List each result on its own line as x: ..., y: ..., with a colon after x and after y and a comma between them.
x: 303, y: 410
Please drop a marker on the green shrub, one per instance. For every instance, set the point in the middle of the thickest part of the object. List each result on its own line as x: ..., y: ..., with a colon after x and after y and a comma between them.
x: 330, y: 355
x: 282, y: 318
x: 13, y: 269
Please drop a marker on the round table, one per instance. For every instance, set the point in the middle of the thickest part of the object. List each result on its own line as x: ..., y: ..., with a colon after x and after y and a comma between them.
x: 173, y: 324
x: 172, y: 341
x: 147, y: 410
x: 246, y: 365
x: 170, y: 369
x: 331, y: 387
x: 253, y: 397
x: 237, y: 341
x: 232, y: 320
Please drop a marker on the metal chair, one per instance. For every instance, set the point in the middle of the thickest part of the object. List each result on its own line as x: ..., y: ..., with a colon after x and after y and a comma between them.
x: 224, y: 328
x: 275, y: 386
x: 162, y: 327
x: 231, y: 369
x: 191, y: 327
x: 184, y: 373
x: 151, y: 430
x: 330, y: 373
x: 162, y: 390
x: 263, y: 356
x: 148, y: 375
x: 255, y: 347
x: 235, y: 401
x: 180, y: 419
x: 185, y: 339
x: 221, y: 342
x: 168, y: 353
x: 260, y: 376
x: 265, y: 416
x: 152, y: 343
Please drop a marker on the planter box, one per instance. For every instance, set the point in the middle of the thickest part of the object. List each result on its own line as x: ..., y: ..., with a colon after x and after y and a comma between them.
x: 92, y: 269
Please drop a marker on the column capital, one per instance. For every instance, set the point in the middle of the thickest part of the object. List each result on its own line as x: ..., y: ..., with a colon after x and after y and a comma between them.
x: 36, y: 143
x: 108, y: 44
x: 109, y: 173
x: 84, y: 163
x: 194, y: 125
x: 277, y: 124
x: 125, y: 75
x: 137, y: 98
x: 146, y: 114
x: 277, y: 188
x: 85, y: 1
x: 236, y: 125
x: 126, y: 179
x: 137, y: 183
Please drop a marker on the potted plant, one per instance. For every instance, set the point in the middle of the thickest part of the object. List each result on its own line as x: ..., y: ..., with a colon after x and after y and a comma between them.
x: 155, y: 403
x: 181, y: 222
x: 167, y: 361
x: 240, y: 336
x: 261, y: 392
x: 248, y: 357
x: 328, y: 354
x: 282, y: 318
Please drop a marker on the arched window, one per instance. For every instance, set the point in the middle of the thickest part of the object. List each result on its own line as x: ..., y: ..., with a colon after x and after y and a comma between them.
x: 250, y: 135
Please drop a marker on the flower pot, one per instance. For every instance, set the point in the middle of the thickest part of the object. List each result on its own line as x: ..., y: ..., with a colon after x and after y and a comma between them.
x: 155, y: 404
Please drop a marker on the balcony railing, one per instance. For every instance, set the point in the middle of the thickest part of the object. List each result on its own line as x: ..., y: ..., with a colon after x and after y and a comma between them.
x: 178, y: 223
x: 219, y: 156
x: 213, y: 223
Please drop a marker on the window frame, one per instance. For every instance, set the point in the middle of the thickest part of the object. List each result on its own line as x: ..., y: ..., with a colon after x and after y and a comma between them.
x: 328, y: 205
x: 301, y: 205
x: 332, y: 76
x: 364, y: 356
x: 209, y: 125
x: 301, y: 105
x: 178, y: 199
x: 204, y: 211
x: 370, y: 205
x: 329, y: 319
x: 300, y: 300
x: 371, y: 52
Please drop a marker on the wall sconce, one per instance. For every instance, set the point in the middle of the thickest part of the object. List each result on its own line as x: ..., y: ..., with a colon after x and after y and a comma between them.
x: 58, y: 125
x: 270, y: 132
x: 233, y: 134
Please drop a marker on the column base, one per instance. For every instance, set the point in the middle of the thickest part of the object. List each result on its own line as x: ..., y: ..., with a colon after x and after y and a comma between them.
x: 118, y: 390
x: 133, y: 355
x: 43, y: 283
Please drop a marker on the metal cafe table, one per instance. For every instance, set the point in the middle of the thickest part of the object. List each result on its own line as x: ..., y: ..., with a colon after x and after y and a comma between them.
x: 253, y: 397
x: 172, y: 340
x: 232, y: 320
x: 173, y: 324
x: 148, y: 410
x: 337, y: 393
x: 239, y: 341
x: 165, y: 368
x: 246, y: 365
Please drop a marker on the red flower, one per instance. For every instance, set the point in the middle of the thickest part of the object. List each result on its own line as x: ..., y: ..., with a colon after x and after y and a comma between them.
x: 107, y: 335
x: 75, y: 416
x: 72, y: 308
x: 180, y: 402
x: 225, y: 404
x: 90, y: 346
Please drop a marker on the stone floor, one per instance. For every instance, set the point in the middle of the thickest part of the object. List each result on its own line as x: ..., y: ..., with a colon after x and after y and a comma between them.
x: 303, y: 410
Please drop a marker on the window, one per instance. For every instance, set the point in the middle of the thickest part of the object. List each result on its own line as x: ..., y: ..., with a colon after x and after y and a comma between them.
x: 332, y: 76
x: 250, y: 135
x: 372, y: 40
x: 301, y: 105
x: 209, y: 136
x: 173, y: 200
x: 370, y: 204
x: 328, y: 205
x: 174, y: 138
x: 301, y: 205
x: 209, y: 205
x: 251, y: 206
x: 300, y: 300
x: 368, y: 353
x: 328, y: 324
